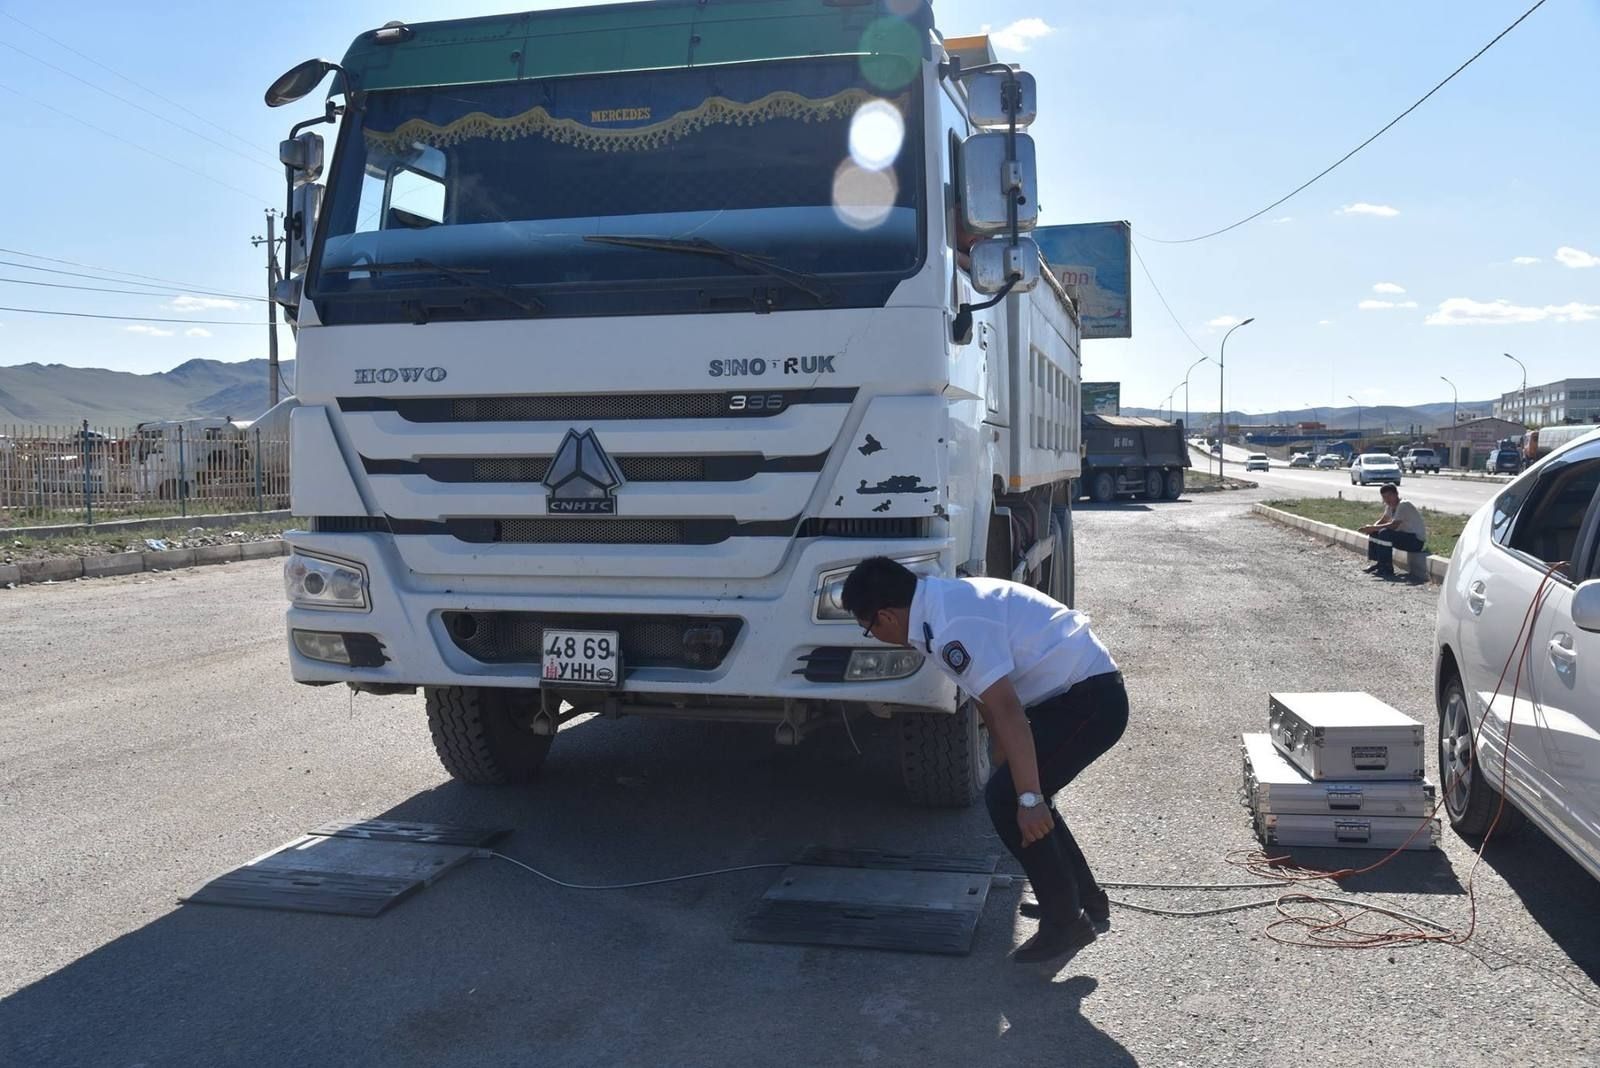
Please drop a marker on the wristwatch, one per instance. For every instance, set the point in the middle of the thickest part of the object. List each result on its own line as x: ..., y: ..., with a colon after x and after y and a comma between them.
x: 1029, y: 799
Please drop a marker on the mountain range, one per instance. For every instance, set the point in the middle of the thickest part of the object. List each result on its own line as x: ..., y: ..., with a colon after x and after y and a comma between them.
x: 1392, y: 417
x: 34, y: 394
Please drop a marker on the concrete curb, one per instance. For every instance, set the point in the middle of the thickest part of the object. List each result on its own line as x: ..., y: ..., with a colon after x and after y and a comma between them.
x: 226, y: 519
x: 1418, y: 565
x: 64, y: 569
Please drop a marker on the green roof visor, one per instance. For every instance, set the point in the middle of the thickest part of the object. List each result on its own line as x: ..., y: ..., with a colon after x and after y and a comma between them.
x: 891, y: 36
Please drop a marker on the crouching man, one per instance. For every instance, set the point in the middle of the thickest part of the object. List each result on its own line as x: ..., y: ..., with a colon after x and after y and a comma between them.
x: 1400, y: 527
x: 1052, y: 699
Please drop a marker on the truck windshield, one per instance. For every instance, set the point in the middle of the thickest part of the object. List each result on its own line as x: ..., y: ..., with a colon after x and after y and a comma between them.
x: 804, y: 167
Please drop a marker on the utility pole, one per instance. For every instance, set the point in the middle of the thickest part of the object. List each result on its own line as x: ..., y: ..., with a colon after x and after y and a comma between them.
x: 271, y: 241
x: 1522, y: 412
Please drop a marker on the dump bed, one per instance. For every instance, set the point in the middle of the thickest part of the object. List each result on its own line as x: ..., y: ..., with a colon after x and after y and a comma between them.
x: 1112, y: 441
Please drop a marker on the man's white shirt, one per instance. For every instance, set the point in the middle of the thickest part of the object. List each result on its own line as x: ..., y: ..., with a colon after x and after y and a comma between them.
x: 980, y: 630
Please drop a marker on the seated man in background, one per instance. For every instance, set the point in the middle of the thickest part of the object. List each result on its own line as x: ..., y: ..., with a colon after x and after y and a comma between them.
x: 1400, y: 527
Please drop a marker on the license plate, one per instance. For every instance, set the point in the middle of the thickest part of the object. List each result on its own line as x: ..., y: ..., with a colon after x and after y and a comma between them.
x: 582, y: 658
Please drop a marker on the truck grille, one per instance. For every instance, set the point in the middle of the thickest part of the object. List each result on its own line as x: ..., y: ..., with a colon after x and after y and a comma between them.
x: 731, y: 468
x: 695, y: 643
x: 596, y: 407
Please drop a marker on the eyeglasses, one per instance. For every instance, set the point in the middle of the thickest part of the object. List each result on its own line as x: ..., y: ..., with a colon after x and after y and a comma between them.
x: 866, y: 628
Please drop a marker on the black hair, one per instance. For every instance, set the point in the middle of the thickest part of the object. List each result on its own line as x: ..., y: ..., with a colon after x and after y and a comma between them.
x: 1389, y: 487
x: 878, y: 583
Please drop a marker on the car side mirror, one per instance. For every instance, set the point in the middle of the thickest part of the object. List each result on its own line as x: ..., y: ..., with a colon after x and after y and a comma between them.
x: 1586, y: 606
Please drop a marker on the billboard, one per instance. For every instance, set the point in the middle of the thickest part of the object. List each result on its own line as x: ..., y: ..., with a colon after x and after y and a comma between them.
x: 1102, y: 398
x: 1092, y: 261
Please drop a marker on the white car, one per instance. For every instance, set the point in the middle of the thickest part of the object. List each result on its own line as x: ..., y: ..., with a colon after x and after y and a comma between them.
x: 1256, y: 461
x: 1300, y: 459
x: 1372, y: 467
x: 1329, y: 461
x: 1539, y: 743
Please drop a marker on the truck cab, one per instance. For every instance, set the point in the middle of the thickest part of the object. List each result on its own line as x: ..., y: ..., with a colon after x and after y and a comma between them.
x: 625, y: 332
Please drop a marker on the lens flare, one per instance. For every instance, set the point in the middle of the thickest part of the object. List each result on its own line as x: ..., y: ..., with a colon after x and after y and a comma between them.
x: 876, y: 134
x: 862, y: 198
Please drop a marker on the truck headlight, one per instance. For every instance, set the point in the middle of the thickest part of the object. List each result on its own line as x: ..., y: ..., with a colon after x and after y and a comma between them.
x: 314, y: 582
x: 830, y: 588
x: 868, y: 664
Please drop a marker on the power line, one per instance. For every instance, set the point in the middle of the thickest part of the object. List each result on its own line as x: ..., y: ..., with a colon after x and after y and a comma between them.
x: 148, y: 111
x: 184, y: 167
x: 107, y: 270
x: 102, y: 289
x: 1331, y: 167
x: 137, y: 85
x: 130, y: 318
x: 1175, y: 320
x: 154, y: 292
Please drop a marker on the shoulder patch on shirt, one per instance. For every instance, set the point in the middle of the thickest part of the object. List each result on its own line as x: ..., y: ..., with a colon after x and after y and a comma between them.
x: 955, y: 654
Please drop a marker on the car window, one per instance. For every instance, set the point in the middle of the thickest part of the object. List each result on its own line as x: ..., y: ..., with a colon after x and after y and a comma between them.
x: 1546, y: 528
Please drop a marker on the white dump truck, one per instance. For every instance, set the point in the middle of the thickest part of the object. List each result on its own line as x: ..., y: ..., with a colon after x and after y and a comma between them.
x: 624, y: 332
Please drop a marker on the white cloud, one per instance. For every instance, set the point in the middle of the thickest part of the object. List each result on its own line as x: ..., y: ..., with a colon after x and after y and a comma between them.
x: 1019, y: 35
x: 1388, y: 287
x: 1377, y: 305
x: 1525, y: 261
x: 197, y: 331
x: 186, y: 303
x: 1284, y: 219
x: 149, y: 331
x: 1576, y: 257
x: 1224, y: 320
x: 1361, y: 207
x: 1324, y: 322
x: 1464, y: 311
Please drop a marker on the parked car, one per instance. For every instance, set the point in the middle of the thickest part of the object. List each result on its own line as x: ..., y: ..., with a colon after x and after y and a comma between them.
x: 1503, y: 461
x: 1300, y: 459
x: 1330, y: 461
x: 1372, y: 467
x: 1415, y: 460
x: 1256, y: 461
x: 1538, y: 744
x: 1216, y: 448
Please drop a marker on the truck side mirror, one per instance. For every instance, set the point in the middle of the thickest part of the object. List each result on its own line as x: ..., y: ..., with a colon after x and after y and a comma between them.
x: 297, y: 81
x: 996, y: 262
x: 304, y: 204
x: 303, y: 155
x: 989, y: 180
x: 988, y: 94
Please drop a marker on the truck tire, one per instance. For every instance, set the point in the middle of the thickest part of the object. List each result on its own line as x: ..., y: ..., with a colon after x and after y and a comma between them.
x: 482, y: 733
x: 1102, y: 488
x: 944, y: 757
x: 1153, y: 485
x: 1174, y: 485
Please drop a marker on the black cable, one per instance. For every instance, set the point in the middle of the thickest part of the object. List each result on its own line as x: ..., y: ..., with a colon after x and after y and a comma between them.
x: 137, y: 85
x: 130, y: 318
x: 1331, y: 167
x: 78, y: 274
x: 182, y: 168
x: 274, y: 167
x: 1175, y: 320
x: 103, y: 289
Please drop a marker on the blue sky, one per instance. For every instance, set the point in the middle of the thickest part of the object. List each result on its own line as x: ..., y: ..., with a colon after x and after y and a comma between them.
x: 1180, y: 117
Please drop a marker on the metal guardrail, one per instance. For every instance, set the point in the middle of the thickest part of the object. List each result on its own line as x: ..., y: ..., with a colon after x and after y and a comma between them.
x: 64, y: 474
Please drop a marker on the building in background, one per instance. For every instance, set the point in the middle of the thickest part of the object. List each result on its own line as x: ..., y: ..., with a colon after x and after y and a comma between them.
x: 1467, y: 444
x: 1571, y: 400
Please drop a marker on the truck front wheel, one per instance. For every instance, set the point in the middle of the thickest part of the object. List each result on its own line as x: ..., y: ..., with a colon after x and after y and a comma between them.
x: 944, y: 757
x: 1103, y: 488
x: 484, y: 734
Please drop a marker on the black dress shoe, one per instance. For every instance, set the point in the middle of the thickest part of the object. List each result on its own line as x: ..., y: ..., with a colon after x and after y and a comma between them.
x: 1096, y: 905
x: 1055, y: 940
x: 1370, y: 568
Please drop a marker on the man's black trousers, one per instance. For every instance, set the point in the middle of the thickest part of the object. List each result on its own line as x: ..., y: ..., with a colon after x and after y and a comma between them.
x: 1381, y: 547
x: 1070, y: 731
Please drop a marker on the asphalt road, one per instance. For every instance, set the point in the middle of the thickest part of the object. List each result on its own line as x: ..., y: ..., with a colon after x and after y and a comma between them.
x: 150, y: 739
x: 1439, y: 492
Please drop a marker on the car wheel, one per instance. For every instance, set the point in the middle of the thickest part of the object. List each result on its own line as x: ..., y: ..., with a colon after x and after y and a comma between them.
x: 1469, y: 800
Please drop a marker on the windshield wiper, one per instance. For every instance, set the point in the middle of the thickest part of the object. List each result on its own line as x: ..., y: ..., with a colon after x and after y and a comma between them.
x: 745, y: 261
x: 462, y: 276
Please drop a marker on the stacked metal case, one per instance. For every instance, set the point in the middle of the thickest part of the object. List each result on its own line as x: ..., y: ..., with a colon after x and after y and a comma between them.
x: 1339, y: 770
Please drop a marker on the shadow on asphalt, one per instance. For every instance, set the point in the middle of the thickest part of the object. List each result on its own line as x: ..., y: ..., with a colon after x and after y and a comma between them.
x: 1420, y: 872
x: 491, y: 965
x: 1112, y: 506
x: 1557, y: 892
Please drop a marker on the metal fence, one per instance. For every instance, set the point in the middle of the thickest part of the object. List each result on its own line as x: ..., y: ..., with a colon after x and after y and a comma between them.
x: 83, y: 474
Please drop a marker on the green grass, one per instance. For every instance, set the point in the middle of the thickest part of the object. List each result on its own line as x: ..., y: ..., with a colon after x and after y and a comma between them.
x: 1443, y: 527
x: 105, y: 542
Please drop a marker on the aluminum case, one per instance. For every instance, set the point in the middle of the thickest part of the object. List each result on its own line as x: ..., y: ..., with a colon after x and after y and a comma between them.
x: 1273, y: 785
x: 1347, y: 831
x: 1345, y: 736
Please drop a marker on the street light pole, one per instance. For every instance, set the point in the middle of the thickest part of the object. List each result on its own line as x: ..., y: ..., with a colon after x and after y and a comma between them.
x: 1522, y: 411
x: 1455, y: 417
x: 1358, y: 420
x: 1222, y: 405
x: 1186, y: 374
x: 1316, y: 417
